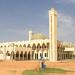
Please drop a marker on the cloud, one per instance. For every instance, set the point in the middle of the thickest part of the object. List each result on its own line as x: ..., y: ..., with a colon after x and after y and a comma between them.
x: 66, y: 1
x: 65, y: 19
x: 66, y: 27
x: 17, y: 31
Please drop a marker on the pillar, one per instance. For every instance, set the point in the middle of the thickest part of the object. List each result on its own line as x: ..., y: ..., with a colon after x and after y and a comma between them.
x: 30, y: 35
x: 14, y: 56
x: 53, y: 35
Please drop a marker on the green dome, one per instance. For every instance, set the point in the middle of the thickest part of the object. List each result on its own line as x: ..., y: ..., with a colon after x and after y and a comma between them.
x: 38, y: 36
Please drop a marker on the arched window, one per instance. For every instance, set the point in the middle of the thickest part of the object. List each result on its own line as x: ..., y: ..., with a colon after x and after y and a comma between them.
x: 21, y: 55
x: 38, y: 47
x: 16, y: 45
x: 7, y: 53
x: 21, y: 52
x: 43, y: 46
x: 17, y: 53
x: 28, y: 46
x: 8, y: 45
x: 29, y: 56
x: 1, y: 46
x: 24, y: 45
x: 4, y: 45
x: 25, y: 55
x: 20, y: 45
x: 34, y: 47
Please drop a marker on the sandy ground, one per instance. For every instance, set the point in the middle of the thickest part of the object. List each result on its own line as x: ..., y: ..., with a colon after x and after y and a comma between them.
x: 17, y: 67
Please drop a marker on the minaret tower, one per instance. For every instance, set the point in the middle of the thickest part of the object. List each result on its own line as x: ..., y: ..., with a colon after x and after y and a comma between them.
x: 53, y: 35
x: 30, y: 35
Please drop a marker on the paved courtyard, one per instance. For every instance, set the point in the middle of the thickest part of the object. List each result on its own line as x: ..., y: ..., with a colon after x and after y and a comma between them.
x: 17, y: 67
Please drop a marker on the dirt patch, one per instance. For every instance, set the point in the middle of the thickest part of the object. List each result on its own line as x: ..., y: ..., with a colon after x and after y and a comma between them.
x: 17, y: 67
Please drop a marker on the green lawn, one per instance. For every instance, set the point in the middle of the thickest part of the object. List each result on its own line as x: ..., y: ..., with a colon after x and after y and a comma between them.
x: 43, y: 72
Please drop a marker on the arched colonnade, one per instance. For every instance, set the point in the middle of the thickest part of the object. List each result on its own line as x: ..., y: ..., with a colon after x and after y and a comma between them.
x: 27, y: 52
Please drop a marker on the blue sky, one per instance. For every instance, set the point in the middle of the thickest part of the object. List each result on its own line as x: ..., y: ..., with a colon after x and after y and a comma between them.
x: 17, y: 17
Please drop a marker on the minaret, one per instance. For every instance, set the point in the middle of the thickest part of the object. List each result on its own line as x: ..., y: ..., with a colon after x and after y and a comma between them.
x: 30, y: 35
x: 53, y: 35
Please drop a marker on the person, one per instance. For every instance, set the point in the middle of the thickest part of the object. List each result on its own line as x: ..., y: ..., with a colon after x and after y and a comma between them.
x: 43, y: 66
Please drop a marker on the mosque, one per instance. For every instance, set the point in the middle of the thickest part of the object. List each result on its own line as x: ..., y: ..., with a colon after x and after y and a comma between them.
x: 38, y: 45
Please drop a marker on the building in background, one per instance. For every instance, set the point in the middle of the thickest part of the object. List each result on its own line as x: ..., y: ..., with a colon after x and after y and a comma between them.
x: 38, y: 45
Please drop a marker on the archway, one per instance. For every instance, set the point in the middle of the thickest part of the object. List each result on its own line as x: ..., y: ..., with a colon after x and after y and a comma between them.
x: 32, y: 55
x: 34, y: 47
x: 29, y: 56
x: 43, y: 46
x: 25, y: 56
x: 8, y: 55
x: 21, y: 55
x: 24, y: 45
x: 38, y: 47
x: 17, y: 55
x: 36, y: 56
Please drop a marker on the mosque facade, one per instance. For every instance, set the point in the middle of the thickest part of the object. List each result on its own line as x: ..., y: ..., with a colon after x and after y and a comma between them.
x: 39, y: 46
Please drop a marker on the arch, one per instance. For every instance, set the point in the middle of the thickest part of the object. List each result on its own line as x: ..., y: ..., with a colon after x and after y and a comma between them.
x: 33, y: 47
x: 21, y: 55
x: 28, y: 55
x: 4, y: 45
x: 48, y: 45
x: 16, y: 45
x: 36, y: 56
x: 17, y: 55
x: 38, y: 46
x: 40, y: 54
x: 28, y: 46
x: 32, y: 55
x: 20, y: 45
x: 46, y: 54
x: 24, y: 45
x: 7, y: 53
x: 1, y: 46
x: 43, y: 46
x: 8, y: 45
x: 25, y: 56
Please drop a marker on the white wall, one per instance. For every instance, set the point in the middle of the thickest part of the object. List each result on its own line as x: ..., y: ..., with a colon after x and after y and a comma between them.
x: 1, y: 57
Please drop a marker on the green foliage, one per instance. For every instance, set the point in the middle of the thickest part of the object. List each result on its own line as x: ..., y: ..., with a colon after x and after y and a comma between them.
x: 43, y: 72
x: 32, y: 72
x: 54, y: 70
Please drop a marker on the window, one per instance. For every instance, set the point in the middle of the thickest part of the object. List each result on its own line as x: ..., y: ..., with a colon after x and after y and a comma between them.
x: 40, y: 54
x: 45, y: 54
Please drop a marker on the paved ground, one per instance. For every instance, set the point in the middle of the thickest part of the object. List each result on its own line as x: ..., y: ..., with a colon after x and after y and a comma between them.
x: 17, y: 67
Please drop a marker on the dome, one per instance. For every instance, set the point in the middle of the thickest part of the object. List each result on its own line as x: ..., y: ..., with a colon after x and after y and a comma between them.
x: 38, y: 36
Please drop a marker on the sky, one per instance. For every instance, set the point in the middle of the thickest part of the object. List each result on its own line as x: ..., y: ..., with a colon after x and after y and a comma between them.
x: 17, y: 17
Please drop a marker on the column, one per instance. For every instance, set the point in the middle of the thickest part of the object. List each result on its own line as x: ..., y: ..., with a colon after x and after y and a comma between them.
x: 34, y: 55
x: 14, y: 56
x: 53, y: 35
